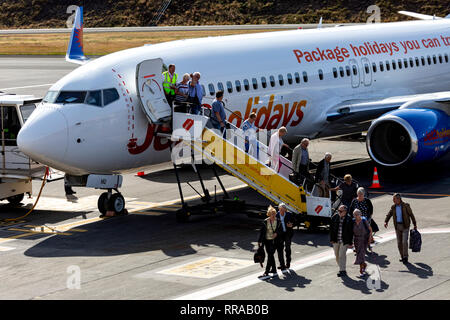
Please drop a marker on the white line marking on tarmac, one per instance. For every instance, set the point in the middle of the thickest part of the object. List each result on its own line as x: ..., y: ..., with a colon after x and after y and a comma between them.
x: 26, y: 87
x: 2, y: 249
x: 308, y: 261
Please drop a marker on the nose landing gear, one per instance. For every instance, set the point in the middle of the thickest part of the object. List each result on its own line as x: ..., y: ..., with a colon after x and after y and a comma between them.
x: 111, y: 204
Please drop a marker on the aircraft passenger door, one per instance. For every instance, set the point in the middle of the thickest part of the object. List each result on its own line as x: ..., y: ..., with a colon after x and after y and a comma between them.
x: 366, y: 70
x: 354, y: 69
x: 150, y: 90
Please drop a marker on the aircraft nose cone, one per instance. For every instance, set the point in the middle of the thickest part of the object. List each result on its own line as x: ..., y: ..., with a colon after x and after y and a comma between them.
x: 44, y: 137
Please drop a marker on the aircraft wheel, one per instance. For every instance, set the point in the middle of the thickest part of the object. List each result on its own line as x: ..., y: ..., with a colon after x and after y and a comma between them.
x: 116, y: 203
x: 102, y: 203
x: 15, y: 200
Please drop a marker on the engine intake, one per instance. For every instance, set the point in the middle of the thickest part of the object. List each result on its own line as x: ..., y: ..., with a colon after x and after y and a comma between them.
x: 408, y: 136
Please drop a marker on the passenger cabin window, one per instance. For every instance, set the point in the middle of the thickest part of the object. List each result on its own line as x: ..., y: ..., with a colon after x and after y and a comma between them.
x: 297, y: 77
x: 320, y: 74
x: 374, y: 67
x: 400, y: 65
x: 212, y: 91
x: 109, y: 96
x: 440, y: 59
x: 289, y: 78
x: 272, y: 81
x: 434, y: 59
x: 429, y: 60
x: 355, y: 70
x: 341, y: 72
x: 238, y: 85
x: 305, y: 77
x: 405, y: 63
x: 335, y: 73
x: 71, y: 97
x: 281, y: 80
x: 382, y: 66
x: 388, y: 66
x: 347, y: 70
x: 246, y: 85
x: 423, y: 60
x: 229, y: 87
x: 446, y: 58
x: 264, y: 82
x: 394, y: 65
x: 366, y: 68
x: 411, y: 62
x: 219, y: 86
x: 94, y: 98
x: 417, y: 62
x: 255, y: 84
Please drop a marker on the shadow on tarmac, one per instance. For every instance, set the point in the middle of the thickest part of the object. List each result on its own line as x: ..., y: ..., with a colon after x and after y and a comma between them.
x: 290, y: 281
x: 361, y: 285
x: 421, y: 270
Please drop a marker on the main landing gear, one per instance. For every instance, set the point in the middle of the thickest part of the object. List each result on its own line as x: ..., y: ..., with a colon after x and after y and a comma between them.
x: 109, y: 202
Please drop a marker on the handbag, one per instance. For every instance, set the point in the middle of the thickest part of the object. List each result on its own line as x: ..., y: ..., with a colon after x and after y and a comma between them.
x: 374, y: 226
x: 259, y: 256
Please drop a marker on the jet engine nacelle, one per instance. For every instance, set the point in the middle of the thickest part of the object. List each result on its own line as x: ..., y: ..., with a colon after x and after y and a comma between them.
x: 409, y: 135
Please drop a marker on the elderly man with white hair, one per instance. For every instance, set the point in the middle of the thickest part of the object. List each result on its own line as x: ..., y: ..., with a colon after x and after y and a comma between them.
x: 285, y: 236
x: 300, y: 161
x: 195, y: 93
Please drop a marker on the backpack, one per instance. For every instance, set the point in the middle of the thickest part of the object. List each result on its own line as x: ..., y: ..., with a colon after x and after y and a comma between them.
x: 415, y: 242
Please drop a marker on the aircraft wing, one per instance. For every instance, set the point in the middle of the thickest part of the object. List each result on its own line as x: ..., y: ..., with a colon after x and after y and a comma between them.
x: 419, y: 16
x: 353, y: 111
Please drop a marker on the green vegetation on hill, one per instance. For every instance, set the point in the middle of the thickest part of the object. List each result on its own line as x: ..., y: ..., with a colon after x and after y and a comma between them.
x: 115, y: 13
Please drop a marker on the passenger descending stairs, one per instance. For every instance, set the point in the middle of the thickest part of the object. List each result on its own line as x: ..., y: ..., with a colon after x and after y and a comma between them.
x: 230, y: 155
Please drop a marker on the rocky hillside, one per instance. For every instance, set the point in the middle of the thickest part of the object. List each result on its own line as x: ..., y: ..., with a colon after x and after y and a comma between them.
x: 109, y: 13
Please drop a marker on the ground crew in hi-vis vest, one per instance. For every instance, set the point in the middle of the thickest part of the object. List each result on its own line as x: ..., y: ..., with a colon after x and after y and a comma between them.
x: 169, y: 83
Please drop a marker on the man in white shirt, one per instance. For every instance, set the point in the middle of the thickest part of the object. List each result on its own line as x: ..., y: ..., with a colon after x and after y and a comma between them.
x: 275, y: 145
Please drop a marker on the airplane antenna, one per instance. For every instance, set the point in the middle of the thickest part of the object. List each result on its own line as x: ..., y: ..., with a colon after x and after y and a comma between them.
x: 160, y: 12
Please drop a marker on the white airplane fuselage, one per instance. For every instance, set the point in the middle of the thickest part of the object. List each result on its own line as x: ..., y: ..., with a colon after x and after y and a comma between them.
x: 83, y: 139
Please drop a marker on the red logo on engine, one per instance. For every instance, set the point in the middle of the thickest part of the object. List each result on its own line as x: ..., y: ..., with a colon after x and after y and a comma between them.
x: 188, y: 124
x: 318, y: 209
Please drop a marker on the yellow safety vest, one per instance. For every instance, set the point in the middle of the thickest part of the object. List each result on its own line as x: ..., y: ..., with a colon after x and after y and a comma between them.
x: 167, y: 83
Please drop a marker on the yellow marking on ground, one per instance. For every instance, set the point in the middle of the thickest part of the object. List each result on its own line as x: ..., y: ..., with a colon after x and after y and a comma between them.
x: 3, y: 240
x: 208, y: 268
x: 40, y: 232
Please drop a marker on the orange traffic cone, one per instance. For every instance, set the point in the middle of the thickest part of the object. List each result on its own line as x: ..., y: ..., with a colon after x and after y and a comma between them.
x: 375, y: 182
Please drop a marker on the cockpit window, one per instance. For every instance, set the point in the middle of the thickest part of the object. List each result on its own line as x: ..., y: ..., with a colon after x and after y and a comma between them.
x: 110, y: 95
x: 94, y: 98
x: 50, y: 97
x: 71, y: 97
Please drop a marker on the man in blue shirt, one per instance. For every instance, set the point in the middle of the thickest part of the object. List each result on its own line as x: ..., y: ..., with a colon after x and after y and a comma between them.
x: 218, y: 115
x: 195, y: 93
x: 402, y: 215
x: 251, y: 143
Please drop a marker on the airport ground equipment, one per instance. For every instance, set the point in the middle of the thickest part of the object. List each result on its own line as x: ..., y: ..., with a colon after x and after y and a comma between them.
x: 17, y: 170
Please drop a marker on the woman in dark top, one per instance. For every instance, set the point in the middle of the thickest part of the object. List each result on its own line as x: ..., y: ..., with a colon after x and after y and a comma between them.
x: 348, y: 188
x: 363, y: 204
x: 267, y: 236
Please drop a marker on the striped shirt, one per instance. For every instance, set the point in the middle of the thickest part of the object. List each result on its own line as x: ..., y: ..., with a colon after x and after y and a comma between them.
x: 184, y: 89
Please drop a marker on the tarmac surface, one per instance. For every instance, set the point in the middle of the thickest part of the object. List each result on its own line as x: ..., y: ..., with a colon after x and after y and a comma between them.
x: 63, y: 250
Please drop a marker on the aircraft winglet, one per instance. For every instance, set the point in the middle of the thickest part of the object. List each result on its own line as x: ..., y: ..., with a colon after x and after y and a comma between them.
x: 75, y: 51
